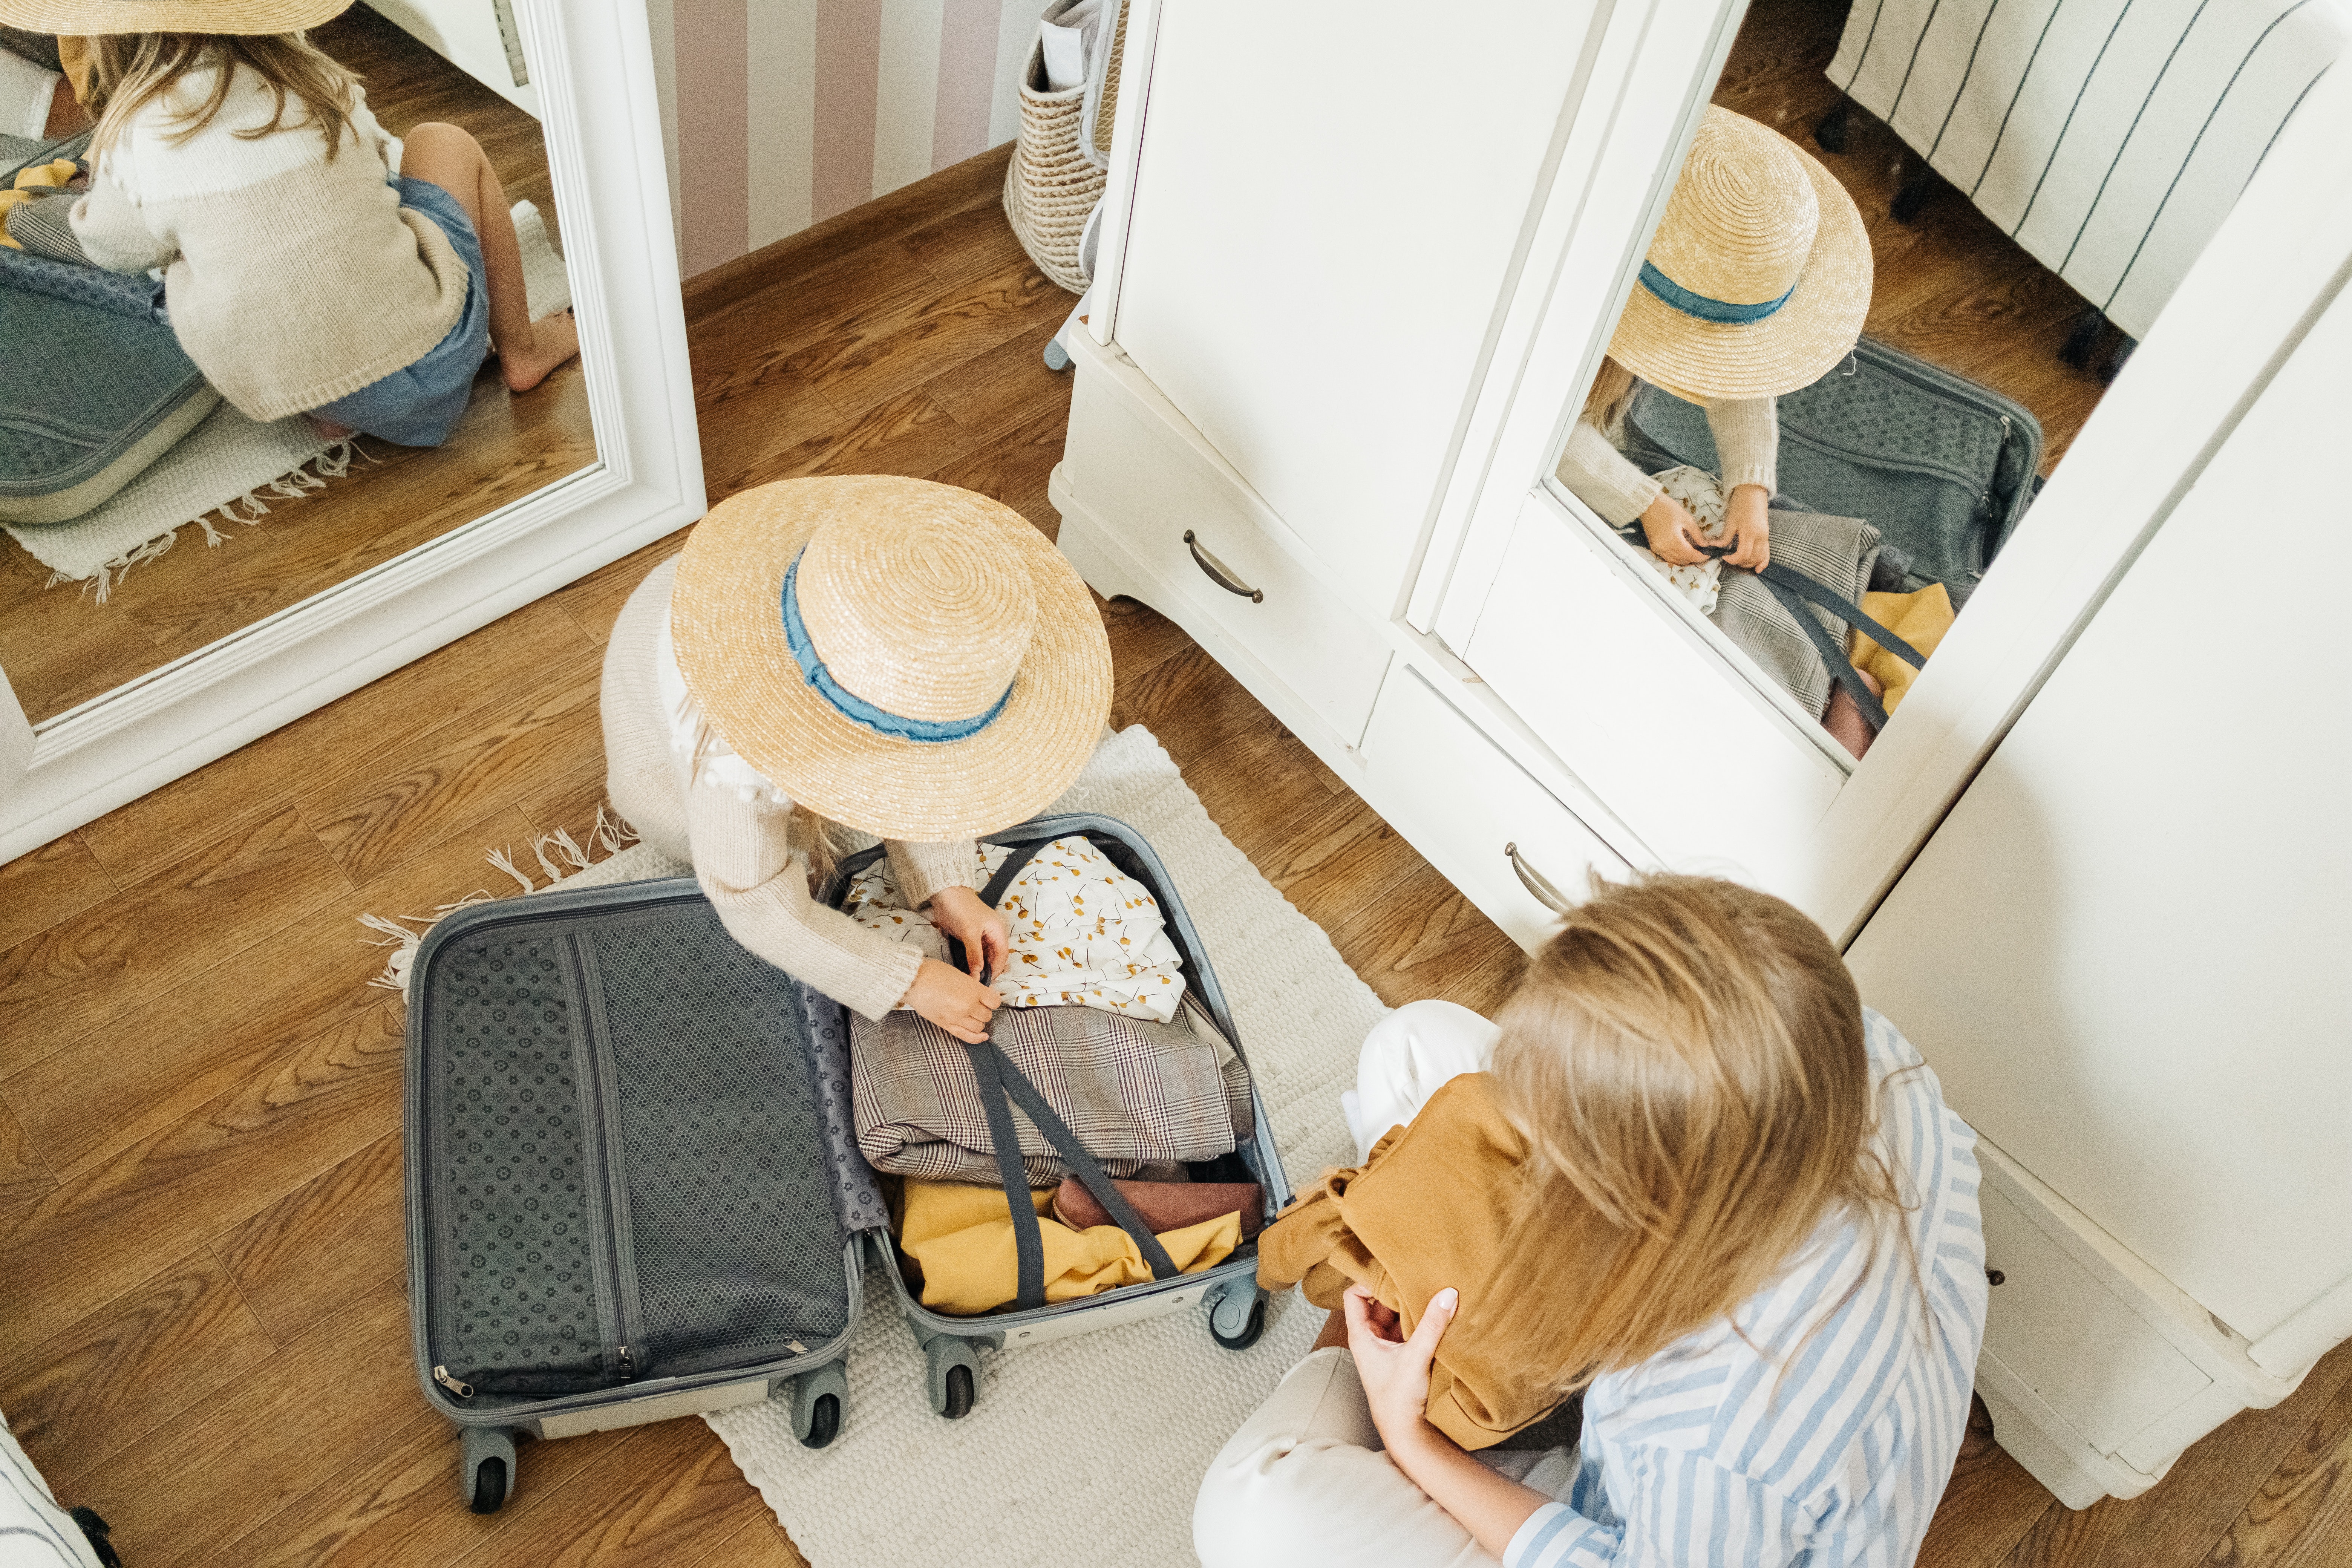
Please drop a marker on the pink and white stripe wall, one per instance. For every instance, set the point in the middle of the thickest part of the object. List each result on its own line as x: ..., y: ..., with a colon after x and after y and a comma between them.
x: 780, y: 113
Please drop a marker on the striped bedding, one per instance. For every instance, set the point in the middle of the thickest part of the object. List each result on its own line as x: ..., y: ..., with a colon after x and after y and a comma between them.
x: 2109, y: 138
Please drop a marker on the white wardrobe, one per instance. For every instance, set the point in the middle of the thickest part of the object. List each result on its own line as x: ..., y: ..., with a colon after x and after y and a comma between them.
x: 1358, y: 265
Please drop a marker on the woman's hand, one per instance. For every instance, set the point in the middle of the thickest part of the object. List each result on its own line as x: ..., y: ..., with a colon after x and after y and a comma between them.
x: 1394, y: 1369
x: 952, y: 999
x: 987, y: 940
x: 1674, y: 533
x: 1748, y: 526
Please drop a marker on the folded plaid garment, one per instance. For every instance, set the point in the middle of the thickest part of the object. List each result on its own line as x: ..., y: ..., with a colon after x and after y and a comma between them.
x: 1136, y: 1093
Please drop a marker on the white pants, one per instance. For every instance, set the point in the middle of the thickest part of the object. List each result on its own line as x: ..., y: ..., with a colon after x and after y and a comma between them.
x: 1305, y: 1481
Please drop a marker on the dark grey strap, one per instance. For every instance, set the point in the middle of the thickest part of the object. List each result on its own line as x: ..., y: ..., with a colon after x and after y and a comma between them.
x: 1002, y: 1085
x: 1841, y: 668
x: 1843, y: 608
x: 1028, y: 1240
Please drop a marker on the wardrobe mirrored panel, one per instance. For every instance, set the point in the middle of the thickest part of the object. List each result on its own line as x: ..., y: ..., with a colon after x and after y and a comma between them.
x: 213, y: 415
x: 1916, y: 178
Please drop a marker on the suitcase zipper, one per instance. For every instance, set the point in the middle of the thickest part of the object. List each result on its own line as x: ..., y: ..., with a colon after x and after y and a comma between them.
x: 607, y: 1190
x: 458, y: 1387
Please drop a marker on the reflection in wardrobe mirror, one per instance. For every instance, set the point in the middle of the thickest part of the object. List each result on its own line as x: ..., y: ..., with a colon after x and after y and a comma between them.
x: 1892, y: 282
x: 314, y: 365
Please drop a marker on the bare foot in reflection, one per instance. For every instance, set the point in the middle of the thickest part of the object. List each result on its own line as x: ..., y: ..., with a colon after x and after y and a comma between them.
x: 553, y: 341
x: 329, y: 429
x: 1843, y: 718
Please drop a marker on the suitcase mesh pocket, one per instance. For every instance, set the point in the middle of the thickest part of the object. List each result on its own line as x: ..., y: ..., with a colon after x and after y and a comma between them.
x: 516, y: 1230
x: 738, y: 1246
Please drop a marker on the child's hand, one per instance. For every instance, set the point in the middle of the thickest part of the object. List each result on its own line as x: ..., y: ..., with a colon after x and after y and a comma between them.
x: 952, y: 999
x: 1674, y: 533
x: 987, y: 940
x: 1746, y: 525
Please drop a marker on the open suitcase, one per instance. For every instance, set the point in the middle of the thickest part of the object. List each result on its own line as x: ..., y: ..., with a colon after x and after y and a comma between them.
x: 1942, y: 466
x: 633, y: 1187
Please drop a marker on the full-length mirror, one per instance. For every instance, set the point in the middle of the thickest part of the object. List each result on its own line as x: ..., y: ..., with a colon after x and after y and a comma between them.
x: 253, y: 366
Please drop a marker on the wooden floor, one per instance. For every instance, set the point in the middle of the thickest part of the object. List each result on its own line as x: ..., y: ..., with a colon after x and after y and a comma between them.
x: 203, y: 1321
x: 1950, y: 287
x: 60, y: 647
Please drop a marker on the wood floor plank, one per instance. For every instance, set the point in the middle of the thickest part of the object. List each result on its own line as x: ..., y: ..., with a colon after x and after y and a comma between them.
x: 103, y: 1383
x: 385, y: 719
x: 594, y: 602
x: 759, y: 335
x: 97, y: 967
x: 2209, y: 1488
x: 1141, y: 637
x: 967, y: 242
x: 370, y: 820
x: 1335, y: 859
x: 1007, y: 385
x: 330, y: 1242
x: 868, y: 362
x: 333, y: 1398
x: 2302, y: 1518
x: 670, y: 1495
x: 1012, y: 467
x: 1423, y: 939
x: 264, y: 1005
x: 402, y: 1506
x: 24, y: 1177
x: 59, y: 879
x: 570, y: 803
x: 98, y: 1234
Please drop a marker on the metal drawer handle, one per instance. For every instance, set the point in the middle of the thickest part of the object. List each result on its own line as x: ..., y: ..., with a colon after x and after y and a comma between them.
x: 1218, y: 573
x: 1535, y: 882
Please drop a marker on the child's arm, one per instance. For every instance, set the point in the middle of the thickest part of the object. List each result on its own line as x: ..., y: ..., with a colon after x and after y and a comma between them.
x: 113, y: 229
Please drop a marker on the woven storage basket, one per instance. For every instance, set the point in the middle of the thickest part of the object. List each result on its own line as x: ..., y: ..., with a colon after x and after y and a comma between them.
x: 1053, y: 184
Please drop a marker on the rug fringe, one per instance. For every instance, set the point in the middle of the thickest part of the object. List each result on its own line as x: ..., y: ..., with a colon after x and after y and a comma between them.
x: 402, y: 933
x: 304, y: 478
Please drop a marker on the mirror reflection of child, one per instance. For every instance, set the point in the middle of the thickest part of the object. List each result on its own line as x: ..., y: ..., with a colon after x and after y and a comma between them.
x: 313, y: 264
x: 1756, y: 284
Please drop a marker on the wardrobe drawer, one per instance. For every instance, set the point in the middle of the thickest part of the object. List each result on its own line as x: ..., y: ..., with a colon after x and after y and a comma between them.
x: 1479, y: 818
x: 1144, y: 479
x: 2080, y: 1347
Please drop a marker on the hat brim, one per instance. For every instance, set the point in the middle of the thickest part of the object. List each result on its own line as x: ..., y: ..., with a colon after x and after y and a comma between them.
x: 1793, y: 347
x: 92, y: 19
x: 725, y: 620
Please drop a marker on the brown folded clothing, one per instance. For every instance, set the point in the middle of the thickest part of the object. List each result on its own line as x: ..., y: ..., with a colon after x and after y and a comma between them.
x: 1164, y: 1206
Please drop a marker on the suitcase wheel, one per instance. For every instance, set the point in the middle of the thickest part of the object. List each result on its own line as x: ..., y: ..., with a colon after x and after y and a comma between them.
x: 817, y: 1400
x: 1238, y: 1316
x: 951, y: 1375
x: 486, y: 1468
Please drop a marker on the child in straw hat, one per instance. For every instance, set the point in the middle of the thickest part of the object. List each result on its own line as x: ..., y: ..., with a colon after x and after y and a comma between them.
x: 902, y: 658
x: 1756, y: 284
x: 314, y: 264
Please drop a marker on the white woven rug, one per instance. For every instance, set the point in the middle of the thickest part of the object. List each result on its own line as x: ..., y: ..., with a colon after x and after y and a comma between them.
x: 1088, y: 1450
x: 232, y: 465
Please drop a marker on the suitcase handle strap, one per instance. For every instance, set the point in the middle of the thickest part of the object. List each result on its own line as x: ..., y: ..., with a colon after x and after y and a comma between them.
x: 1003, y: 1085
x: 1792, y: 588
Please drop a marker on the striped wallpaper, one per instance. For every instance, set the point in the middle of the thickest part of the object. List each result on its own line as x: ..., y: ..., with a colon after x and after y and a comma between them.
x: 780, y: 113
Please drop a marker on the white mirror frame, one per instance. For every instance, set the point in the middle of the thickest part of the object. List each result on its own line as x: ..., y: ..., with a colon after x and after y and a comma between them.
x: 584, y: 55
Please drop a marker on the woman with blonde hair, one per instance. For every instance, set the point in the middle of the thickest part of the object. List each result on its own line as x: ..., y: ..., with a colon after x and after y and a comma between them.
x: 312, y: 263
x: 1727, y: 1206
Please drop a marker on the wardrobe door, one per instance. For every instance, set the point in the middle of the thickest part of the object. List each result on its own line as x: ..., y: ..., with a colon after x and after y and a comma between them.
x: 1325, y: 216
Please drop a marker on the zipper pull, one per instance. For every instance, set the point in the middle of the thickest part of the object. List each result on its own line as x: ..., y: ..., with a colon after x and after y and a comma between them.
x: 628, y: 1367
x: 462, y: 1390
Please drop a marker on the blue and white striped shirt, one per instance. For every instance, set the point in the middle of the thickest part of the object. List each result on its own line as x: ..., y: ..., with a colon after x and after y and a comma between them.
x: 1707, y: 1453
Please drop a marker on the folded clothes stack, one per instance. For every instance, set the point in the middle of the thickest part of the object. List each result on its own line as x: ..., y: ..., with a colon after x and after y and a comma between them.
x: 961, y: 1238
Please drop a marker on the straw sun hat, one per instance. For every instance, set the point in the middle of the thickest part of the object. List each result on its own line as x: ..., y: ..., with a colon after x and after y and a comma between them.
x: 86, y: 18
x: 908, y: 659
x: 1759, y: 276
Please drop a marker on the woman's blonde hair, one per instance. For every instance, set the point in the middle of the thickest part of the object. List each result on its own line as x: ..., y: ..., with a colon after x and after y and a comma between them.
x: 129, y: 70
x: 1686, y: 1061
x: 1611, y: 390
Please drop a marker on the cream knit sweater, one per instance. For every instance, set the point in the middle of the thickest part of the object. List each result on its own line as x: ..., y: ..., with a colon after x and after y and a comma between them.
x: 738, y: 837
x: 294, y: 277
x: 1746, y: 443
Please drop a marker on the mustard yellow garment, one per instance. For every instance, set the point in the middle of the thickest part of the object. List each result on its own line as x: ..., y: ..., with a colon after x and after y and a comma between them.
x: 1920, y: 619
x: 962, y: 1237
